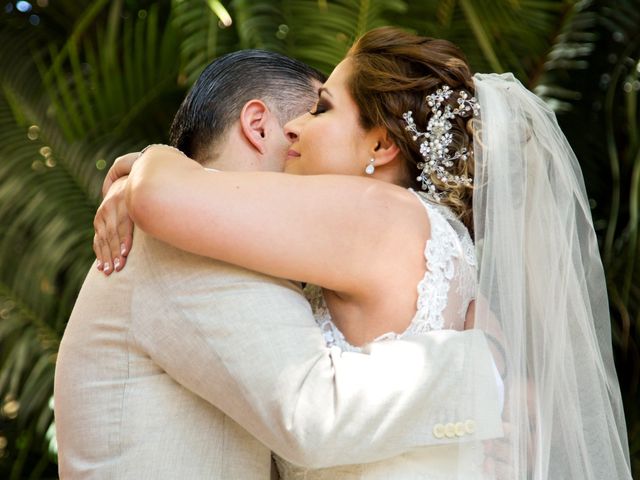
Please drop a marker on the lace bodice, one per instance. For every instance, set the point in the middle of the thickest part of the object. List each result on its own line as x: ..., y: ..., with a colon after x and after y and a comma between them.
x: 445, y: 291
x: 444, y: 295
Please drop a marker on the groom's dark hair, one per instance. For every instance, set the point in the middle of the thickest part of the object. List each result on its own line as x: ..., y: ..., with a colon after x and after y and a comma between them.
x: 227, y: 84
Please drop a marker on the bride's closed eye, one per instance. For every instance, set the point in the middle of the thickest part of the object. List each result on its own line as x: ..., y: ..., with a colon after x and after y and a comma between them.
x: 320, y: 107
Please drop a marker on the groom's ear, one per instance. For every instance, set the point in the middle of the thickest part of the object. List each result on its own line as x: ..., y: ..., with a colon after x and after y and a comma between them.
x: 253, y: 122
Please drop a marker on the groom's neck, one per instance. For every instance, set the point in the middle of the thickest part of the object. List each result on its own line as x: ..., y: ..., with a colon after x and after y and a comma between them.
x: 232, y: 162
x: 234, y: 154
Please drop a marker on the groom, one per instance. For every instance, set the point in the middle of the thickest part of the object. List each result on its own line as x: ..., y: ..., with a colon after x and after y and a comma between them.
x: 185, y: 367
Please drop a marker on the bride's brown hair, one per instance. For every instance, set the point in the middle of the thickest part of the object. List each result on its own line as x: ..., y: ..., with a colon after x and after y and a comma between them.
x: 392, y: 72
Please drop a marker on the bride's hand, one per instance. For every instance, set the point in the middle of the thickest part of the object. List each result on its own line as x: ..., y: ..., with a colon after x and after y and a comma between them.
x: 112, y: 224
x: 121, y: 168
x: 497, y: 463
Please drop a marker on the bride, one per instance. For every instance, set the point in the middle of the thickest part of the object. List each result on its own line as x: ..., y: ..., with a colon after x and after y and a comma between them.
x: 404, y: 163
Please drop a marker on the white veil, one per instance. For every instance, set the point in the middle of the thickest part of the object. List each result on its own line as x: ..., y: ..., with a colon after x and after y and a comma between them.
x: 542, y: 297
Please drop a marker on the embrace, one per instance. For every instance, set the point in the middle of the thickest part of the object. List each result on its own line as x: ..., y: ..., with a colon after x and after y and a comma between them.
x: 418, y: 296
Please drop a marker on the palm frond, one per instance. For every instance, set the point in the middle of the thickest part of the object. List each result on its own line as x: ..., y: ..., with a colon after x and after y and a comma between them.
x: 107, y: 89
x: 201, y: 37
x: 504, y: 35
x: 321, y: 33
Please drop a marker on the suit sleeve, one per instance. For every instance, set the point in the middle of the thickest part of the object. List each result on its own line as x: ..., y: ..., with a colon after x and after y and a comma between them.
x: 248, y: 344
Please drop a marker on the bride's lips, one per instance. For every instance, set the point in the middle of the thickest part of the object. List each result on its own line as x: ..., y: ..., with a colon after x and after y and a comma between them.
x: 292, y: 153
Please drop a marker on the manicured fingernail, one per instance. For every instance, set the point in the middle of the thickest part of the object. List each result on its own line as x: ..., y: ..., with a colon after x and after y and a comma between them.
x: 107, y: 267
x: 123, y: 249
x: 116, y: 263
x: 98, y: 264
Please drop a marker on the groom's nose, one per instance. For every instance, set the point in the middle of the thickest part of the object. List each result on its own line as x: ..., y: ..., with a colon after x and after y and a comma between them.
x: 291, y: 130
x: 291, y: 134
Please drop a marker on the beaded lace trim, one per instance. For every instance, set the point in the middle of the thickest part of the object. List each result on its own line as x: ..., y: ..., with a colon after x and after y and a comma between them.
x: 447, y: 233
x: 433, y: 289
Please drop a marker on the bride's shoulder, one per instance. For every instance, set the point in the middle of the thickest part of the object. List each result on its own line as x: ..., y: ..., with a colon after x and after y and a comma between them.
x: 380, y: 206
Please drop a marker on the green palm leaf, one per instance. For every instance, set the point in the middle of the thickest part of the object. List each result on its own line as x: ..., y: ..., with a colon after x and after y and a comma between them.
x: 112, y: 86
x: 504, y: 35
x: 201, y: 37
x: 101, y: 78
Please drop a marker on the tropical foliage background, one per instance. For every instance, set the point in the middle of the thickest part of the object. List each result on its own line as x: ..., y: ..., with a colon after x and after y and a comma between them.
x: 82, y: 82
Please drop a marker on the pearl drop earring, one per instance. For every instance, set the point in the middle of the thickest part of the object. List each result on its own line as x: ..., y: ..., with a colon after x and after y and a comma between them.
x: 371, y: 167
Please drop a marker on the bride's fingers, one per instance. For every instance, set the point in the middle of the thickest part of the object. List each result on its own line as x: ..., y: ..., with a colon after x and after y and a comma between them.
x: 497, y: 450
x: 498, y: 455
x: 100, y: 245
x: 101, y: 239
x: 112, y: 239
x: 125, y: 236
x: 498, y: 470
x: 125, y: 226
x: 489, y: 466
x: 113, y: 227
x: 98, y: 252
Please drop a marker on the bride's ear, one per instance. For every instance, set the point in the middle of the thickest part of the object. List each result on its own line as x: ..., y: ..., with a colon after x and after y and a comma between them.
x: 385, y: 150
x: 253, y: 123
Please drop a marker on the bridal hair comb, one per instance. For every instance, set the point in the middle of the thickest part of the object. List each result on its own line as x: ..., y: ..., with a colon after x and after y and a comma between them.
x: 436, y: 140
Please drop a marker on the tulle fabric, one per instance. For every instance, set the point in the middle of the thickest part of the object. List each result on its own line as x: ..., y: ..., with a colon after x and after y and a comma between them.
x: 542, y: 297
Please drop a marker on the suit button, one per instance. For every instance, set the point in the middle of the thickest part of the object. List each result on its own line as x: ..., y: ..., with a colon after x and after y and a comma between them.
x: 438, y: 430
x: 460, y: 430
x: 470, y: 426
x: 450, y: 430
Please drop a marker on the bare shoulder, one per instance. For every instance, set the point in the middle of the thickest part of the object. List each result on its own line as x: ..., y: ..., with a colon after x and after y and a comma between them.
x: 374, y: 201
x: 388, y: 220
x: 390, y: 228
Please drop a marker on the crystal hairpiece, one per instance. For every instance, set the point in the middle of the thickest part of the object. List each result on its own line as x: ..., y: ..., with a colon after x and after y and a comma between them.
x: 435, y: 141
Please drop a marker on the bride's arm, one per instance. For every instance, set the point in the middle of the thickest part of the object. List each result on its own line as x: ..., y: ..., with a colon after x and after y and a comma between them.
x: 331, y: 230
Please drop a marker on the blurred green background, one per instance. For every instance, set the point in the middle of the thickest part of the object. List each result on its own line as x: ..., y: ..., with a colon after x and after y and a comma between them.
x: 82, y: 82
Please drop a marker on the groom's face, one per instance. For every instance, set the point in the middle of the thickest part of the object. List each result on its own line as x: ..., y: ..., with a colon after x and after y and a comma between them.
x: 277, y: 142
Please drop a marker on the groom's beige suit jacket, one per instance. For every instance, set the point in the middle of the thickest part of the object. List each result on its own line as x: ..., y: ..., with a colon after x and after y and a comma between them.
x: 181, y: 367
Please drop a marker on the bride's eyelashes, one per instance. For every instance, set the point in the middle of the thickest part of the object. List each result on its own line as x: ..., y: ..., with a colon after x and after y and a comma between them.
x: 321, y: 107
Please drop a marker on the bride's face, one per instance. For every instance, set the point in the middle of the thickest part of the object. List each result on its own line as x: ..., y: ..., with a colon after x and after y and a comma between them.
x: 329, y: 139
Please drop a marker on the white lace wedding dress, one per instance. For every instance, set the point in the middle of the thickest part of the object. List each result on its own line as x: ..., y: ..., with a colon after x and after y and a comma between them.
x: 444, y: 295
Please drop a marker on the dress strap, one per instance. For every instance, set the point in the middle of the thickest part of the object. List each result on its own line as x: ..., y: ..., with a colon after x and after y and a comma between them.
x: 441, y: 250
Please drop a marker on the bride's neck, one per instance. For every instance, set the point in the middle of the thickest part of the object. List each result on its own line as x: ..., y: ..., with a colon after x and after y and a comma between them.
x: 392, y: 173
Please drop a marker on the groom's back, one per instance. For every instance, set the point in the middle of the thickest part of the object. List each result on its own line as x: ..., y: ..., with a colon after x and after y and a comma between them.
x: 119, y: 415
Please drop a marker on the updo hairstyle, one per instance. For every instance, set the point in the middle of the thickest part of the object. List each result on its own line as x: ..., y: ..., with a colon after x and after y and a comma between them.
x: 392, y: 72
